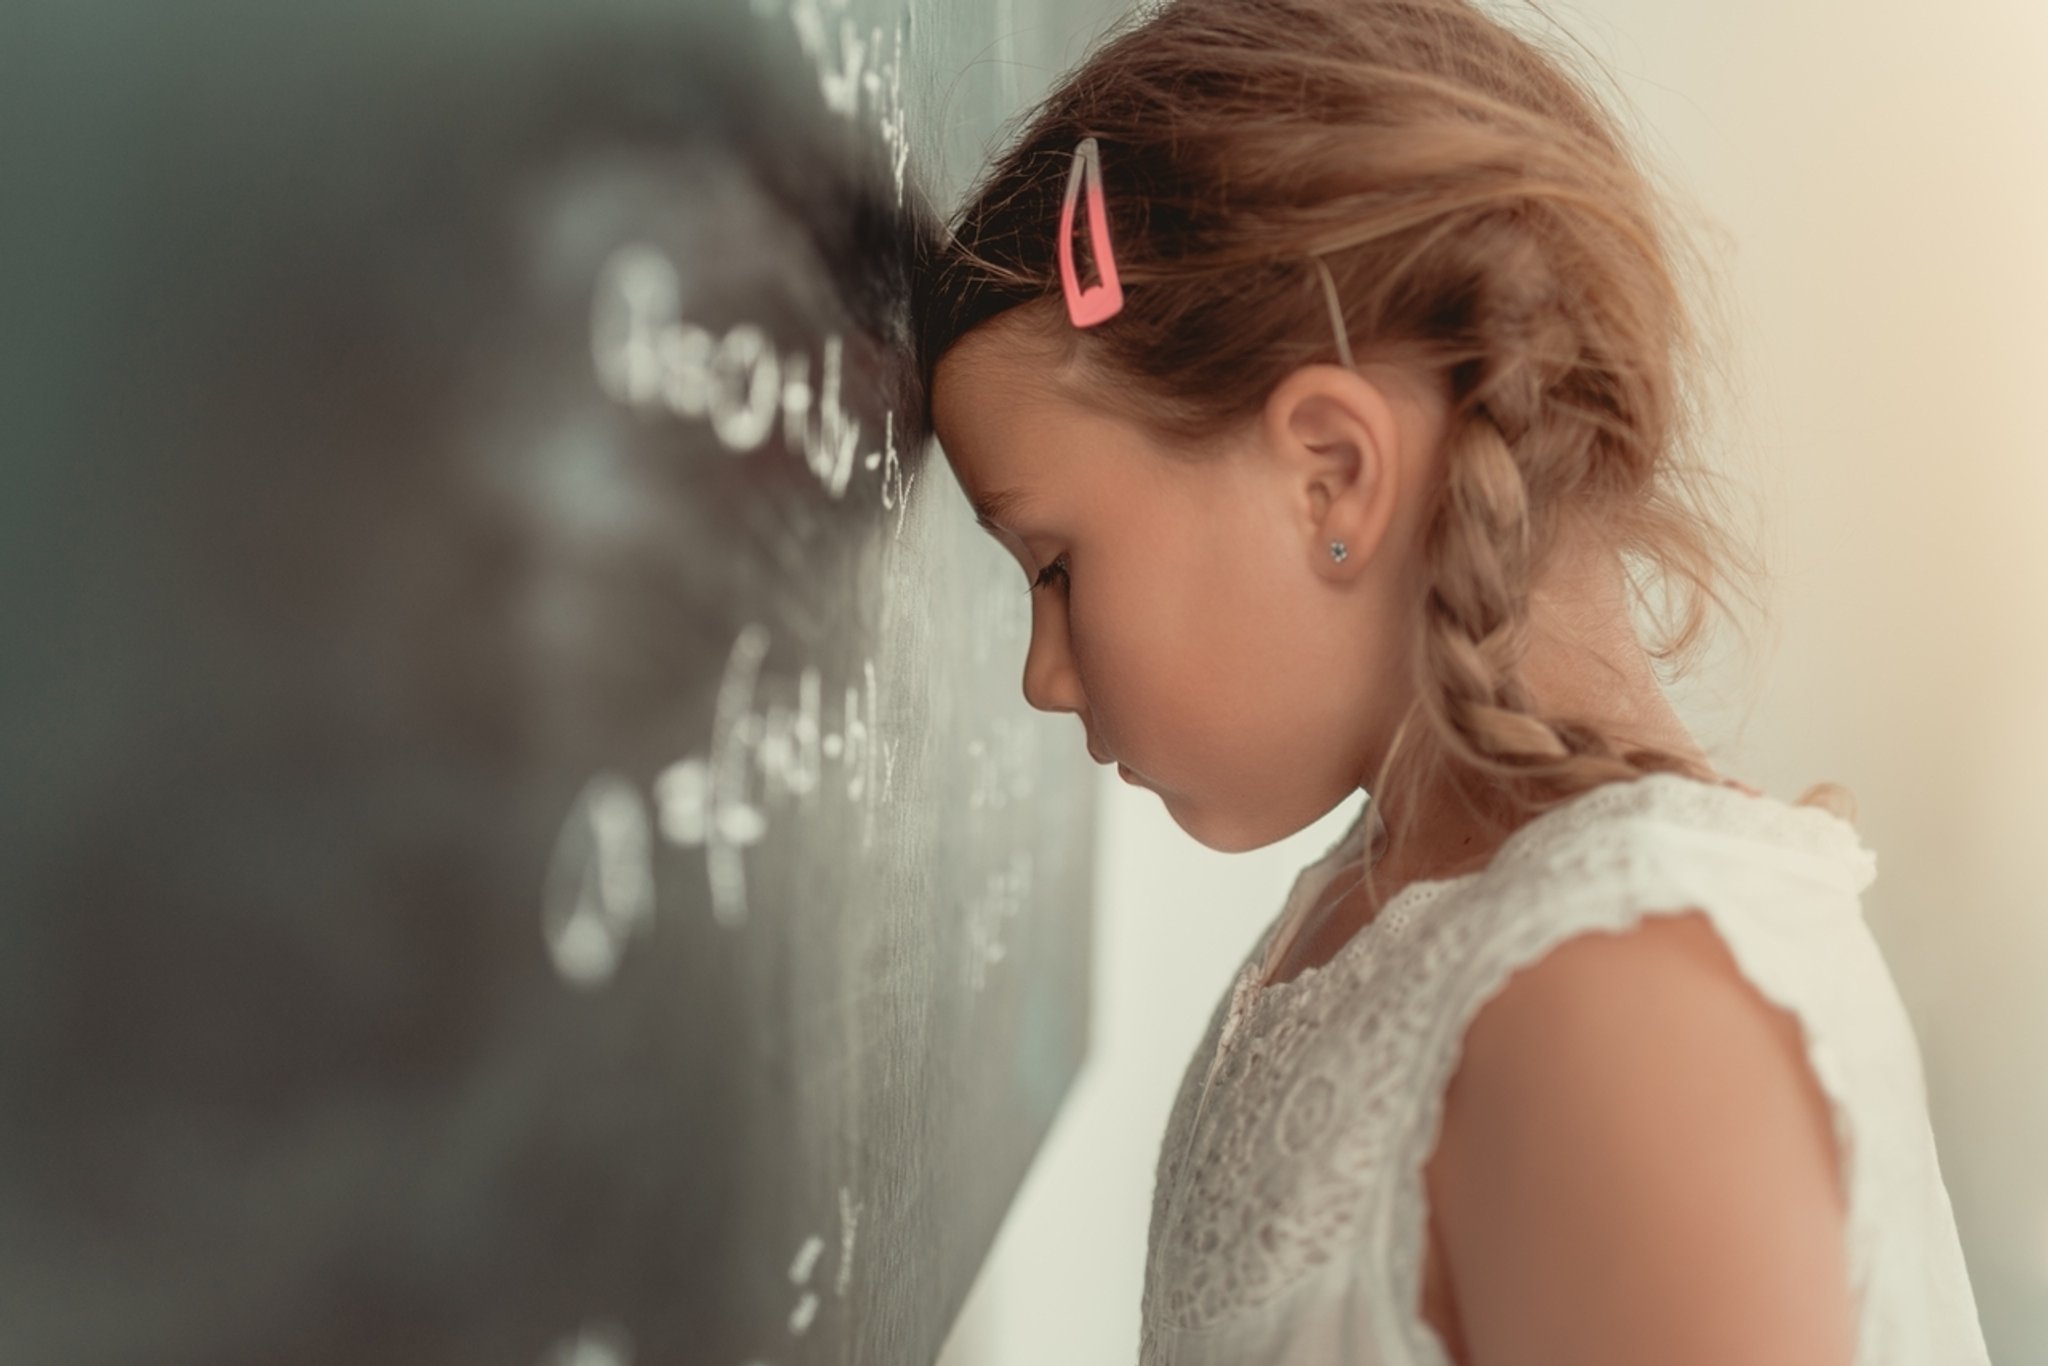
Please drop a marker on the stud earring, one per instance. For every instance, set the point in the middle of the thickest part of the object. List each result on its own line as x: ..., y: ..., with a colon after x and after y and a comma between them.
x: 1338, y: 552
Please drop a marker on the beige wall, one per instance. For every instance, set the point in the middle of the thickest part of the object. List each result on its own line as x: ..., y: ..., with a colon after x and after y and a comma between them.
x: 1877, y: 177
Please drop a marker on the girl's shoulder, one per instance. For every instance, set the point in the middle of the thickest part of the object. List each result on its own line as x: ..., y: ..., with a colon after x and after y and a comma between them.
x: 1617, y: 836
x: 1601, y: 1090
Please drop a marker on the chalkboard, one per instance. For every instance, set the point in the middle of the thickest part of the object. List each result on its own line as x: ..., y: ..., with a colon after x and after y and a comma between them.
x: 522, y: 838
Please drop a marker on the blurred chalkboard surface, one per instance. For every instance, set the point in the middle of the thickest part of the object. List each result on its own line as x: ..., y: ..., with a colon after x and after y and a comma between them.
x: 520, y: 837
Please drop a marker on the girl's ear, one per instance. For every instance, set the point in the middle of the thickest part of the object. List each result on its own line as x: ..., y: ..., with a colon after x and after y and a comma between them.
x: 1335, y: 441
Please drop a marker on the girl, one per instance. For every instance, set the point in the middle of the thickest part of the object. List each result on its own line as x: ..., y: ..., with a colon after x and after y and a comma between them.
x: 1582, y: 1053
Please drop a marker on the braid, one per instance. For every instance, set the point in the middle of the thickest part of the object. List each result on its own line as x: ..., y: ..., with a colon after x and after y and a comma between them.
x: 1486, y: 544
x: 1476, y: 618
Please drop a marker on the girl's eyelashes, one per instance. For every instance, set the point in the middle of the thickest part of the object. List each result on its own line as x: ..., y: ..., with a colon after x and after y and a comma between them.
x: 1056, y: 570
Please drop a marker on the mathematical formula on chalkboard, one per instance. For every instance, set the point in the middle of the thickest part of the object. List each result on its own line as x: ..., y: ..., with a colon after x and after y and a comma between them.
x: 647, y: 357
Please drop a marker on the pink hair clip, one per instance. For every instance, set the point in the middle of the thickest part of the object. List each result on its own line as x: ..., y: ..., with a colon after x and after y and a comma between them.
x: 1097, y: 303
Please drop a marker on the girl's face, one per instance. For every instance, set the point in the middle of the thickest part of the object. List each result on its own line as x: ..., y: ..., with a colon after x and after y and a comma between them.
x: 1189, y: 612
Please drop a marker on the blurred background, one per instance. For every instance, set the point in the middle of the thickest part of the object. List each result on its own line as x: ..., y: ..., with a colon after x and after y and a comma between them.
x: 1874, y: 181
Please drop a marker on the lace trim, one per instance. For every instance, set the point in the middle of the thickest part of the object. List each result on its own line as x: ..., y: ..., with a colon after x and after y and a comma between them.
x: 1809, y: 829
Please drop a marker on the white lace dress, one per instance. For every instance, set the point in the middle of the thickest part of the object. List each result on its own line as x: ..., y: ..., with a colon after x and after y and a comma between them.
x: 1289, y: 1213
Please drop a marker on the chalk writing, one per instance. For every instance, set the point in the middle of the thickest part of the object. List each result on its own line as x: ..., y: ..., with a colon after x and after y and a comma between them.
x: 800, y: 1275
x: 594, y: 1344
x: 1002, y: 898
x: 858, y: 73
x: 765, y: 751
x: 849, y: 1221
x: 600, y: 881
x: 806, y: 1261
x: 649, y: 358
x: 1000, y: 769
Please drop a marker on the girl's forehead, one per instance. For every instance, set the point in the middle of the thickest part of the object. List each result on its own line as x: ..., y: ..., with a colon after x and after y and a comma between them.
x: 1021, y: 443
x: 992, y: 415
x: 988, y: 374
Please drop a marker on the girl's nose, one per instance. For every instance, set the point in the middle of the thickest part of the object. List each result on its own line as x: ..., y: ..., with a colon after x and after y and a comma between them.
x: 1050, y: 680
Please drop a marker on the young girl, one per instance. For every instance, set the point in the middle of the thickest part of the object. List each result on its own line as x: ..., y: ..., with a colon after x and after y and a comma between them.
x: 1323, y: 363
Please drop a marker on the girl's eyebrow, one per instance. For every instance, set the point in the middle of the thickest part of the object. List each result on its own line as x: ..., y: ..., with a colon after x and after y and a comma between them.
x: 991, y: 508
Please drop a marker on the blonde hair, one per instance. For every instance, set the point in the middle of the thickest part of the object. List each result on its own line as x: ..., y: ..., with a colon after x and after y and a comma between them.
x: 1485, y: 224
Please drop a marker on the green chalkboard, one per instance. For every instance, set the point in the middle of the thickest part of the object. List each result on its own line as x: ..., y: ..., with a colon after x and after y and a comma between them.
x: 522, y: 840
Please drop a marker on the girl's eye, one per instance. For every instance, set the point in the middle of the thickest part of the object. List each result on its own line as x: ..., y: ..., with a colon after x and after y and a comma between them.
x: 1056, y: 570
